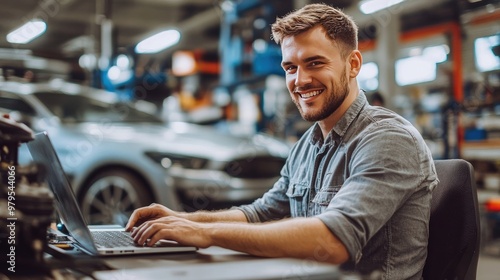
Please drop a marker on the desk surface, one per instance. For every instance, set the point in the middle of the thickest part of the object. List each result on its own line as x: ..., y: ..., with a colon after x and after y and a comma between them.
x: 211, y: 263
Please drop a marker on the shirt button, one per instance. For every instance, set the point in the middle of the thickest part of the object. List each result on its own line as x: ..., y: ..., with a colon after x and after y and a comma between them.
x: 358, y: 256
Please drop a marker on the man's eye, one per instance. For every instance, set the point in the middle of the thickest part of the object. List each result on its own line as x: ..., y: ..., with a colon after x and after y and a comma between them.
x: 315, y: 63
x: 290, y: 69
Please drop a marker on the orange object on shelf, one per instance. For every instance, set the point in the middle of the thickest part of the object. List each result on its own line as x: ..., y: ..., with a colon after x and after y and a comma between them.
x: 493, y: 205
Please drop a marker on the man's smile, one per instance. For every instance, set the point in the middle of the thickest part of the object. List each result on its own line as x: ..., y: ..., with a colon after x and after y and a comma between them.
x: 307, y: 95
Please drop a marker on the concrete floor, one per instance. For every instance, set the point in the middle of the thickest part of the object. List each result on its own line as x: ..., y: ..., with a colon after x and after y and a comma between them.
x: 489, y: 259
x: 488, y: 267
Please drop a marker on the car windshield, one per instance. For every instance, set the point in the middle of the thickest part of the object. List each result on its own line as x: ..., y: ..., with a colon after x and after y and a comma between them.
x: 80, y: 108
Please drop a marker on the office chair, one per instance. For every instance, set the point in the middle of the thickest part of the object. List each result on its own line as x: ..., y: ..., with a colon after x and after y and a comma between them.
x: 454, y: 233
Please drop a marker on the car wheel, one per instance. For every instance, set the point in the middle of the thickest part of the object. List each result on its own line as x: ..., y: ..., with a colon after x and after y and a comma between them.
x: 111, y: 196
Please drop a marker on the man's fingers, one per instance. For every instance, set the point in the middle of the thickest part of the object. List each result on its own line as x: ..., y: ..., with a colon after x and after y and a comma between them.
x: 146, y: 232
x: 146, y: 213
x: 162, y: 232
x: 137, y: 232
x: 131, y: 221
x: 148, y: 229
x: 137, y: 215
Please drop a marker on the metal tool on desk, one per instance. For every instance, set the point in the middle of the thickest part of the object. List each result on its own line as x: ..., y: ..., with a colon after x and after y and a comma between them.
x: 26, y: 204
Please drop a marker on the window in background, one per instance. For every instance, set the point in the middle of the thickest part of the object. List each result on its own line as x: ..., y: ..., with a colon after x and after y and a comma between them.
x: 421, y: 65
x: 487, y: 51
x: 368, y: 76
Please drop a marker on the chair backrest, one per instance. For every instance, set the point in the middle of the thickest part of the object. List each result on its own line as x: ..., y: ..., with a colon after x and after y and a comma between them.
x: 454, y: 232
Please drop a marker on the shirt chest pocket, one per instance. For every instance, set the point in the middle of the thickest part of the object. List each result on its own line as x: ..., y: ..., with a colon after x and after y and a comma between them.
x: 323, y: 198
x: 298, y: 195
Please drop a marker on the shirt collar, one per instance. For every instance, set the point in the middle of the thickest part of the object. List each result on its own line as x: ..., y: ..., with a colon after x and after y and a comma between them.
x: 342, y: 125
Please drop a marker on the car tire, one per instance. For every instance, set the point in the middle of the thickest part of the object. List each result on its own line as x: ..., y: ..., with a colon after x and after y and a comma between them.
x: 111, y: 196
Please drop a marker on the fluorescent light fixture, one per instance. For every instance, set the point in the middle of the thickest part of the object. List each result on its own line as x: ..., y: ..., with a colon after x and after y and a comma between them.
x: 413, y: 70
x: 371, y: 6
x: 27, y: 32
x: 158, y: 42
x: 438, y: 54
x: 486, y: 60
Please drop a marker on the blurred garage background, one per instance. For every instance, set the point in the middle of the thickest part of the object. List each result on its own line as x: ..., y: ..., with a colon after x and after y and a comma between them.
x: 183, y: 102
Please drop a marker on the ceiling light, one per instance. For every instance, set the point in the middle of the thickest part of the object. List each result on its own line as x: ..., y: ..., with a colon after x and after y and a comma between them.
x: 27, y: 32
x: 183, y: 63
x: 114, y: 73
x: 259, y: 45
x: 372, y: 6
x: 123, y: 61
x: 158, y: 42
x: 413, y: 70
x: 88, y: 61
x: 118, y: 75
x: 438, y: 54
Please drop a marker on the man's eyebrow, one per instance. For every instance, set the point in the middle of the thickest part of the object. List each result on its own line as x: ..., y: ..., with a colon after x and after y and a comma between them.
x: 313, y: 58
x: 308, y: 59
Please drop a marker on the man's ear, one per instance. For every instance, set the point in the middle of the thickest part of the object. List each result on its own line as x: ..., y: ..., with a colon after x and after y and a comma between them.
x: 355, y: 61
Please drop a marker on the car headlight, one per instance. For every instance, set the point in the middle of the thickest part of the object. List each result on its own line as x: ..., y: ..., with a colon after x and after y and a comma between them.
x: 169, y: 160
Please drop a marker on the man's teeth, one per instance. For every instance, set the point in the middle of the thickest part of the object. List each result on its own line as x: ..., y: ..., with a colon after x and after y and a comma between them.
x: 310, y: 94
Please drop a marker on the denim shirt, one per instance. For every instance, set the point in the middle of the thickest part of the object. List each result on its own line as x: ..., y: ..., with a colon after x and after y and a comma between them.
x: 369, y: 182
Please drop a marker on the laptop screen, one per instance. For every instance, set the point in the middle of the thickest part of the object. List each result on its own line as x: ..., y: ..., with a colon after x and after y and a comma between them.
x: 43, y: 152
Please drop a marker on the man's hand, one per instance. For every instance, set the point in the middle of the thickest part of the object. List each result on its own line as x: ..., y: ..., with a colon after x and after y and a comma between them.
x: 172, y: 228
x: 310, y: 236
x: 148, y: 213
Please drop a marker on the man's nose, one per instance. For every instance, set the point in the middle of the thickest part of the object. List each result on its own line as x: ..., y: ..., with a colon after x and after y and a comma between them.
x: 302, y: 77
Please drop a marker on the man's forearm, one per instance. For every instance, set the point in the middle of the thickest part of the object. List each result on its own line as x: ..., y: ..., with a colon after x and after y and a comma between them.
x: 306, y: 238
x: 231, y: 215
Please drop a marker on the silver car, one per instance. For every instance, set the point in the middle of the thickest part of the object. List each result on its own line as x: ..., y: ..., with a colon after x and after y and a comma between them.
x: 119, y: 158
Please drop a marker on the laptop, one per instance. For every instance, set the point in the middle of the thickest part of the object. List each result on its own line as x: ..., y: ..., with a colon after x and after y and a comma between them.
x: 90, y: 239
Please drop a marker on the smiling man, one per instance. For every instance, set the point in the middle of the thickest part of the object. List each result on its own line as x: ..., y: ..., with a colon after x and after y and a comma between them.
x: 356, y: 187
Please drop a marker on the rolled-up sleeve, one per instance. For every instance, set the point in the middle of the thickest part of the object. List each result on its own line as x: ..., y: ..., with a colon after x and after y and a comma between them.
x: 380, y: 184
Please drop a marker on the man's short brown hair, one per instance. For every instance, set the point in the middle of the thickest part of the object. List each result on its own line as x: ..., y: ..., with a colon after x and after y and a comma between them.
x: 339, y: 27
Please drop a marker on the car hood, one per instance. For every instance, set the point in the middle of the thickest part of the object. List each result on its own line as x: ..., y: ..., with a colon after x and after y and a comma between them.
x: 183, y: 138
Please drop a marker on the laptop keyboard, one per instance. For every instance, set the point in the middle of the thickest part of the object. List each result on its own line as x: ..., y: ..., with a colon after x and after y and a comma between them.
x: 110, y: 239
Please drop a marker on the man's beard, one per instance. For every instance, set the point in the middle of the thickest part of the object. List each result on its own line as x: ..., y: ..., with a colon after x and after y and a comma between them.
x: 333, y: 101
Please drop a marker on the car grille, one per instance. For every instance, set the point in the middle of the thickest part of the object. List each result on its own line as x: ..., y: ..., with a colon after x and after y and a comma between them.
x: 255, y: 168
